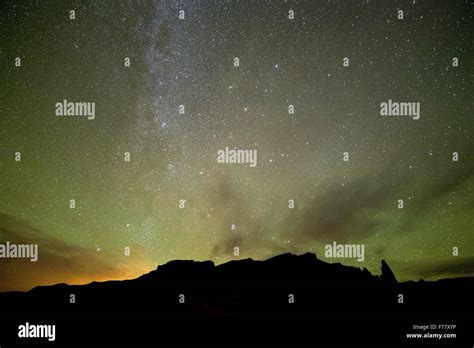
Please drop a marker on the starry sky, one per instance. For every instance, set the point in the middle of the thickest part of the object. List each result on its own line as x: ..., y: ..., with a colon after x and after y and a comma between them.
x: 190, y: 62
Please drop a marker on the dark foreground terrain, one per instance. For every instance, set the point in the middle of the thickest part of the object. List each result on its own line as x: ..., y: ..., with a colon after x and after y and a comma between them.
x: 286, y: 299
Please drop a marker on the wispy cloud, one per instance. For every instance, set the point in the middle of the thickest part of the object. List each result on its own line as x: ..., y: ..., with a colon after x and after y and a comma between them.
x: 59, y: 262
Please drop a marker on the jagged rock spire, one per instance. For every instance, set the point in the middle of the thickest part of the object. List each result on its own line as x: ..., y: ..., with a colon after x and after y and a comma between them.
x: 387, y: 274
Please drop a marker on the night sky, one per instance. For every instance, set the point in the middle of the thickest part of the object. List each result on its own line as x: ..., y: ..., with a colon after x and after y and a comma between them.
x: 190, y: 62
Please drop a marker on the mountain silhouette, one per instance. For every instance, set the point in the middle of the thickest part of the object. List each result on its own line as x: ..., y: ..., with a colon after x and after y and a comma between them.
x: 289, y: 290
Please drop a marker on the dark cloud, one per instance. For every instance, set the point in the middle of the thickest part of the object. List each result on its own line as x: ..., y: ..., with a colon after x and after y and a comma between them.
x: 454, y: 267
x: 226, y: 244
x: 230, y: 210
x: 341, y: 213
x: 58, y: 261
x: 348, y: 213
